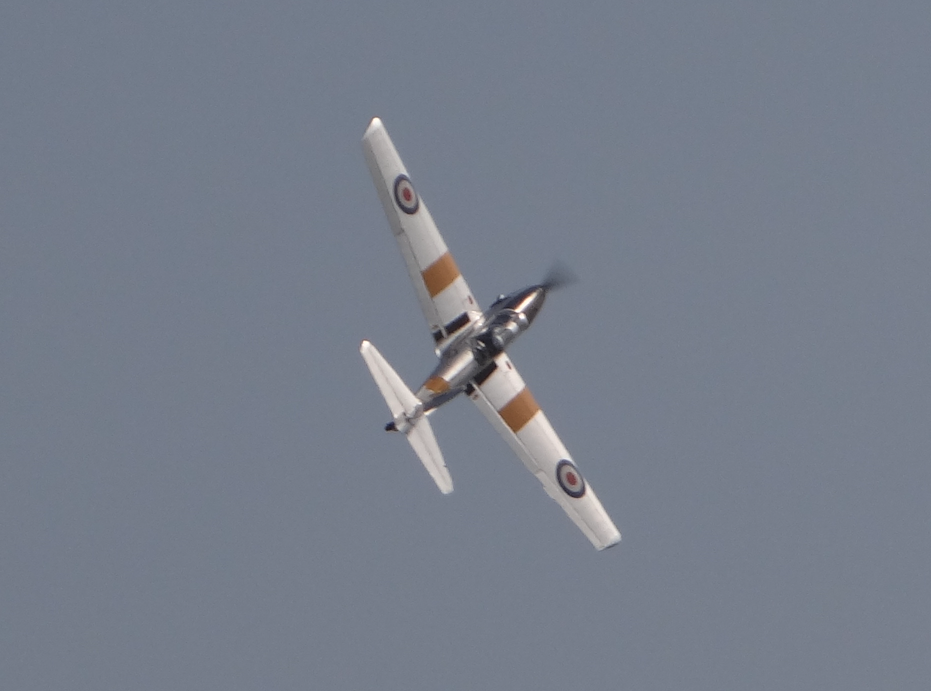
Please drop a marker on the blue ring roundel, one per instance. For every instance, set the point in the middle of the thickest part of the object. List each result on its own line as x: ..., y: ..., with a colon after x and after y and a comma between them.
x: 405, y: 195
x: 570, y: 479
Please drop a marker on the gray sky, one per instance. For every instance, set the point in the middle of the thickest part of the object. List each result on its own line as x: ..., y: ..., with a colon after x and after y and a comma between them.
x: 195, y: 488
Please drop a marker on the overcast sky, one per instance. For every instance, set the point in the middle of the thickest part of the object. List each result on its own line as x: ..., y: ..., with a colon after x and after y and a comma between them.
x: 195, y: 488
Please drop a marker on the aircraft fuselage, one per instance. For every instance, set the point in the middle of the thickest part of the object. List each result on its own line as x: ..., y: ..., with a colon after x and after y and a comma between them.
x: 473, y: 351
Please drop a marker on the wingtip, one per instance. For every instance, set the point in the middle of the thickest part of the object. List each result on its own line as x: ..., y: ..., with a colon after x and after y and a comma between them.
x: 616, y: 540
x: 374, y: 125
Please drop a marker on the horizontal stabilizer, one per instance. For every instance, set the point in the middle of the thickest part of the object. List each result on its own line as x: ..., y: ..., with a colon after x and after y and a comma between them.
x: 399, y: 398
x: 408, y: 416
x: 424, y: 443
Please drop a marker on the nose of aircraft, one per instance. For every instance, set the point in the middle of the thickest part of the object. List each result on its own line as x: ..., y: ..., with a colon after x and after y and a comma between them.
x: 559, y: 276
x: 531, y: 302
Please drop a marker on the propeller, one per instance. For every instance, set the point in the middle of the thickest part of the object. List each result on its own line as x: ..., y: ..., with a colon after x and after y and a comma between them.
x: 559, y: 276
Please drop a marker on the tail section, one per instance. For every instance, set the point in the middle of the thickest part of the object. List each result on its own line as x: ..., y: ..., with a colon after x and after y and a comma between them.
x: 408, y: 416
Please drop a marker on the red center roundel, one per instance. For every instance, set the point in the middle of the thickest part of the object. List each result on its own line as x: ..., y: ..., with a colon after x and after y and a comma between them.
x: 569, y: 479
x: 405, y: 196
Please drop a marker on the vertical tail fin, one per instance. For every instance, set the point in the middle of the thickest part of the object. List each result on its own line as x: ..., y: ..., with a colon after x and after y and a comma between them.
x: 408, y: 416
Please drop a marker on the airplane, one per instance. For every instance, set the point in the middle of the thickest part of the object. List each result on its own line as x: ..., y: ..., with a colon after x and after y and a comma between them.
x: 471, y: 344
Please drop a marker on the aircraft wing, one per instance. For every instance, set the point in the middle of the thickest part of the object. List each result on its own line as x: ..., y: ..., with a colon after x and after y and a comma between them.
x: 501, y: 395
x: 444, y: 297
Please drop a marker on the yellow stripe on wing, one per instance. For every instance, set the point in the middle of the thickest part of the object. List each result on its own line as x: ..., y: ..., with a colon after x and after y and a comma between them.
x: 440, y: 274
x: 519, y: 410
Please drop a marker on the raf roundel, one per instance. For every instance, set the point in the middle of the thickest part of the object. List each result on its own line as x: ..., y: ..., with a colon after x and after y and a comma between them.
x: 405, y: 195
x: 570, y: 479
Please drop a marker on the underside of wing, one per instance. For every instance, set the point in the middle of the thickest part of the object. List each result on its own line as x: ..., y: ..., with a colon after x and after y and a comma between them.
x: 501, y: 395
x: 444, y: 296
